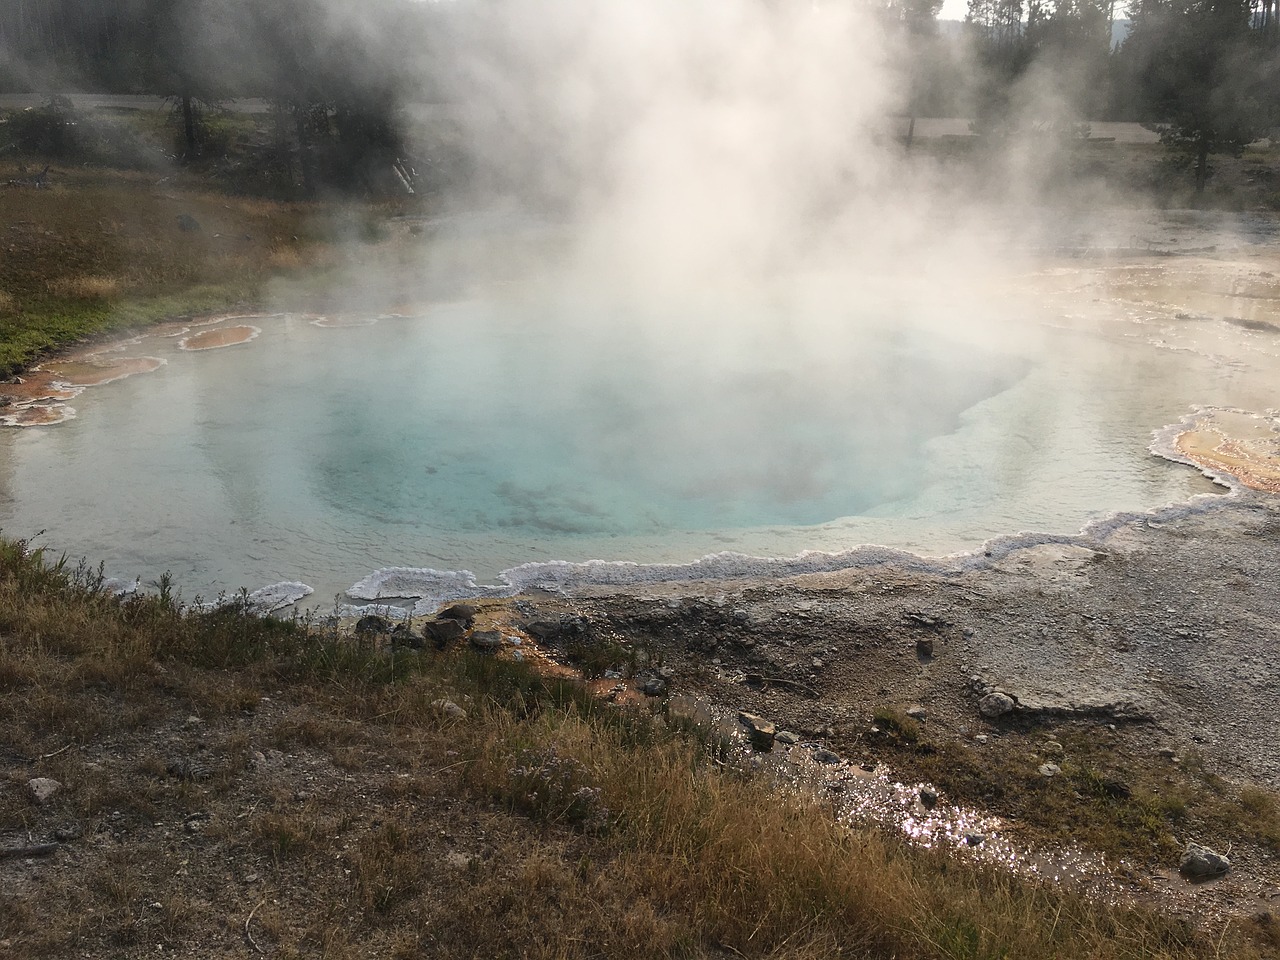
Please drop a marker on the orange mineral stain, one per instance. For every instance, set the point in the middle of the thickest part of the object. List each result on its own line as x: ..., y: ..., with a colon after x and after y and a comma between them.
x: 1253, y: 459
x: 222, y: 337
x: 37, y: 385
x: 95, y: 371
x: 36, y: 415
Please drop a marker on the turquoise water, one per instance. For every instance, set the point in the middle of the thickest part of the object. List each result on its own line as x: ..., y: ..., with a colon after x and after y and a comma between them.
x: 510, y: 423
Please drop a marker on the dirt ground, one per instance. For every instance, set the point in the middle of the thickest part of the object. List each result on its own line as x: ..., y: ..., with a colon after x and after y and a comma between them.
x: 1145, y: 651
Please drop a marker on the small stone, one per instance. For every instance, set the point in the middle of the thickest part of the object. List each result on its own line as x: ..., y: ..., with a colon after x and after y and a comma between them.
x: 486, y: 640
x: 1167, y: 752
x: 1053, y: 748
x: 1049, y: 769
x: 459, y: 611
x: 924, y: 647
x: 817, y: 663
x: 787, y: 738
x: 917, y: 713
x: 448, y: 709
x: 981, y: 738
x: 996, y: 704
x: 760, y: 731
x: 973, y: 838
x: 928, y: 797
x: 654, y: 687
x: 458, y: 861
x: 42, y: 789
x: 1199, y: 862
x: 372, y: 624
x: 441, y: 633
x: 402, y: 635
x: 823, y: 755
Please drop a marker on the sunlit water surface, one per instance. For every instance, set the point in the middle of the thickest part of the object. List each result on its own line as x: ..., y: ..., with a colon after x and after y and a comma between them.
x: 501, y: 424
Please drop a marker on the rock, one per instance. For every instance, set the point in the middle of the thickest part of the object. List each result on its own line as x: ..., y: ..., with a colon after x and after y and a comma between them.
x: 1167, y: 752
x: 1199, y: 862
x: 43, y: 789
x: 441, y: 633
x: 690, y: 711
x: 654, y: 687
x: 787, y: 738
x: 486, y: 640
x: 980, y: 738
x: 917, y: 713
x: 817, y: 663
x: 187, y: 223
x: 543, y: 629
x: 1048, y: 769
x: 929, y: 797
x: 402, y: 635
x: 996, y: 704
x: 924, y: 647
x: 448, y: 709
x: 372, y: 624
x: 823, y: 755
x: 465, y: 612
x: 1053, y: 748
x: 973, y: 838
x: 760, y: 731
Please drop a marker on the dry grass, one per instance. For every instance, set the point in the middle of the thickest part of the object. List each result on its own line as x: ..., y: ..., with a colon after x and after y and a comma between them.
x: 85, y: 287
x: 341, y: 816
x: 106, y: 250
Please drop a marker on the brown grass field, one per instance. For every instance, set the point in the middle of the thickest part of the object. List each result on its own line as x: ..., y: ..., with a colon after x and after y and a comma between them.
x: 236, y: 786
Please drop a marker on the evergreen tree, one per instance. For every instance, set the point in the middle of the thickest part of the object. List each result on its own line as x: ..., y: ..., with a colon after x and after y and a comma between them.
x: 1196, y: 68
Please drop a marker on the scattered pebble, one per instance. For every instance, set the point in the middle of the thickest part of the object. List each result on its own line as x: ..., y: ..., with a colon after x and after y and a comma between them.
x: 759, y: 730
x: 448, y: 709
x: 996, y: 704
x: 487, y: 640
x: 1200, y: 862
x: 43, y: 789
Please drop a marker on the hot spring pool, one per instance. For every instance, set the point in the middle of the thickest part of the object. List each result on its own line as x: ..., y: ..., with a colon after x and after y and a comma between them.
x: 510, y: 423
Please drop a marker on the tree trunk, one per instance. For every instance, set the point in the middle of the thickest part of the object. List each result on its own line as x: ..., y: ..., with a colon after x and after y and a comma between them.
x: 304, y: 149
x: 189, y: 126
